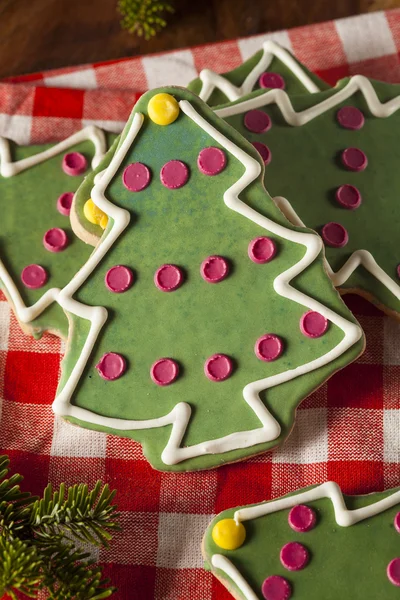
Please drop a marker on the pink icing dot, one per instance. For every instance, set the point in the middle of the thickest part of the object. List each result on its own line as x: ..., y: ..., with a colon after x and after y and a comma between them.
x: 64, y: 203
x: 211, y: 161
x: 74, y: 163
x: 136, y: 177
x: 261, y: 250
x: 272, y: 80
x: 294, y: 556
x: 354, y: 159
x: 302, y: 518
x: 214, y: 269
x: 55, y: 240
x: 168, y: 278
x: 334, y: 235
x: 34, y: 276
x: 313, y: 324
x: 218, y: 367
x: 393, y: 571
x: 164, y: 371
x: 350, y: 117
x: 276, y: 588
x: 348, y: 196
x: 257, y: 121
x: 398, y: 271
x: 268, y: 347
x: 263, y: 151
x: 111, y: 366
x: 174, y: 174
x: 118, y: 279
x: 397, y: 522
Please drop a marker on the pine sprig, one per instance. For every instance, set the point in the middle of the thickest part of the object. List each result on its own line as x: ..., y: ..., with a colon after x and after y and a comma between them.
x: 19, y: 568
x: 77, y: 578
x: 39, y: 536
x: 14, y: 504
x: 88, y: 516
x: 144, y: 17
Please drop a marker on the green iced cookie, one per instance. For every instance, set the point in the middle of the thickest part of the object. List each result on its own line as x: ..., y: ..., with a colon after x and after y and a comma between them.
x: 188, y: 321
x: 271, y: 67
x: 331, y: 163
x: 313, y: 544
x: 37, y: 184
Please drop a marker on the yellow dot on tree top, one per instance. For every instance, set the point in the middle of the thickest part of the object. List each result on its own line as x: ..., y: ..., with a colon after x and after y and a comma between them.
x: 228, y: 534
x: 163, y: 109
x: 94, y: 214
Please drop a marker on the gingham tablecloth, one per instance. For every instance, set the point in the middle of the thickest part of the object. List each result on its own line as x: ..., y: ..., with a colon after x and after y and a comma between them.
x: 347, y: 431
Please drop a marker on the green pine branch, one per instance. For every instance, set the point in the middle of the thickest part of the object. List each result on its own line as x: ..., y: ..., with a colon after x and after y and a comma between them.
x: 87, y: 515
x: 39, y: 537
x: 144, y: 17
x: 19, y: 568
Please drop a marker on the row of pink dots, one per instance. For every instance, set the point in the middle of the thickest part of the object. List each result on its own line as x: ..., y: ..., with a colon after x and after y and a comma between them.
x: 175, y: 173
x: 348, y: 196
x: 393, y: 568
x: 35, y: 276
x: 293, y: 555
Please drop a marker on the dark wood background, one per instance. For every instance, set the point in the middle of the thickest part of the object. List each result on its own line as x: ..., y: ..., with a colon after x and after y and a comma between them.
x: 43, y: 34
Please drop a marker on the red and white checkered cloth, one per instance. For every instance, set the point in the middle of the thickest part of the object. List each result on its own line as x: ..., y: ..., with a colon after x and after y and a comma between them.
x: 349, y: 430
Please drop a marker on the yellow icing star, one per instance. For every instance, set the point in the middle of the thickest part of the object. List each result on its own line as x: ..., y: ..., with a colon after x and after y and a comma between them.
x: 228, y: 534
x: 163, y: 109
x: 94, y: 214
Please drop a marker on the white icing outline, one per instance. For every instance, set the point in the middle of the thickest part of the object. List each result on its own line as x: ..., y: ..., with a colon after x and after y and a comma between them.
x: 377, y: 108
x: 344, y: 518
x: 211, y: 80
x: 8, y: 168
x: 179, y: 417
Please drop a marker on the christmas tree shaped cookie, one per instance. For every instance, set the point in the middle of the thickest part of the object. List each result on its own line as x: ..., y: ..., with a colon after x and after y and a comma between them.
x: 39, y: 253
x: 331, y: 163
x: 271, y: 67
x: 315, y: 543
x: 203, y: 317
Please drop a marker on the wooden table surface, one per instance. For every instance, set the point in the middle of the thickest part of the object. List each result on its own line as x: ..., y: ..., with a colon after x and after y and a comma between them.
x: 43, y: 34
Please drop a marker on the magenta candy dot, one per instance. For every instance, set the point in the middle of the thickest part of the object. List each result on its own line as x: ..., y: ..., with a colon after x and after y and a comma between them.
x: 272, y: 80
x: 174, y: 174
x: 218, y: 367
x: 261, y: 250
x: 136, y: 177
x: 268, y: 347
x: 164, y: 371
x: 398, y: 271
x: 34, y: 276
x: 334, y: 235
x: 257, y: 121
x: 168, y: 278
x: 118, y: 279
x: 397, y: 522
x: 211, y: 161
x: 214, y: 269
x: 294, y: 556
x: 276, y: 588
x: 354, y: 159
x: 393, y: 571
x: 55, y: 240
x: 74, y: 163
x: 313, y: 324
x: 348, y: 196
x: 302, y: 518
x: 111, y: 366
x: 64, y: 203
x: 350, y: 117
x: 263, y: 151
